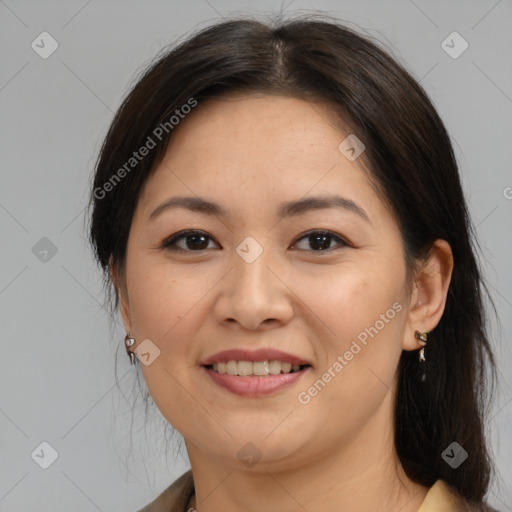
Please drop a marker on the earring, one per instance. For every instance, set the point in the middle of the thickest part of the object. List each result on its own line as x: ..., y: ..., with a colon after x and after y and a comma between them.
x: 422, y: 338
x: 128, y: 342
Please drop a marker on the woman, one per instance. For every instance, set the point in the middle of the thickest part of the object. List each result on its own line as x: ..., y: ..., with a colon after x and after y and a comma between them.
x: 279, y: 211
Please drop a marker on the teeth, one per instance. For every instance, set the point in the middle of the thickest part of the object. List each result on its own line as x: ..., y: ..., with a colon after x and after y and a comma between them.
x: 244, y: 368
x: 232, y: 368
x: 286, y: 367
x: 275, y: 367
x: 261, y: 368
x: 258, y: 368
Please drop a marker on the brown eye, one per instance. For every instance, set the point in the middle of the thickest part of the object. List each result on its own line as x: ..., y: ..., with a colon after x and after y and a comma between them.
x: 187, y: 241
x: 321, y: 240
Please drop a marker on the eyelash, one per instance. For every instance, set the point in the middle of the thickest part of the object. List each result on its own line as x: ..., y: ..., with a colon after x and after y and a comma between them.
x: 170, y: 243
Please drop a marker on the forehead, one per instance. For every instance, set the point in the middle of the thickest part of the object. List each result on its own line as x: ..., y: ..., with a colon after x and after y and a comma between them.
x: 278, y: 125
x: 252, y: 151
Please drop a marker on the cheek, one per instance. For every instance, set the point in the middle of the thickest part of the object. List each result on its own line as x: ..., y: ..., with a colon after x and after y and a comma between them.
x: 349, y: 299
x: 359, y: 322
x: 165, y: 304
x: 162, y: 295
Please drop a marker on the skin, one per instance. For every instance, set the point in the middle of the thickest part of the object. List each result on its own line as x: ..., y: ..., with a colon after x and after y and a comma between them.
x: 250, y: 154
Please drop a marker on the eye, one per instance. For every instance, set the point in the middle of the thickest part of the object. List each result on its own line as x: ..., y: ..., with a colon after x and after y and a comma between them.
x: 321, y: 240
x: 194, y: 241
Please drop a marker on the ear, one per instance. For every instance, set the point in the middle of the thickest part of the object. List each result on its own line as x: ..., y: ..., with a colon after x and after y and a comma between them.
x: 428, y: 297
x: 121, y: 291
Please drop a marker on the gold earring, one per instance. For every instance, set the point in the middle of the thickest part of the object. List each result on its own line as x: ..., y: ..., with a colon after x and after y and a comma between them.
x: 422, y: 338
x: 128, y: 342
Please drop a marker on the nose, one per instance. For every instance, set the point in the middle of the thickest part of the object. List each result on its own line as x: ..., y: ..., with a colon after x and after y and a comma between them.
x: 254, y: 295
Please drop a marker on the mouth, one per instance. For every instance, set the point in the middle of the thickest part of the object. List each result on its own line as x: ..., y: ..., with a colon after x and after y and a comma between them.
x: 256, y: 373
x: 253, y: 385
x: 255, y: 368
x: 260, y: 363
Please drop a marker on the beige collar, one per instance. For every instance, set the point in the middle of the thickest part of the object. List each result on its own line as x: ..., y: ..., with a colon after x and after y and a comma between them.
x: 443, y: 498
x: 176, y: 498
x: 439, y: 498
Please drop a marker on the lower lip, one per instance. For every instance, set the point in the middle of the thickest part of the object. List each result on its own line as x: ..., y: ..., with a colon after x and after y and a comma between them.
x: 255, y: 386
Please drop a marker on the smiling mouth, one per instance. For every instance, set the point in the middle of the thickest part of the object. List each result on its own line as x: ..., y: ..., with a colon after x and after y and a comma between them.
x: 256, y: 368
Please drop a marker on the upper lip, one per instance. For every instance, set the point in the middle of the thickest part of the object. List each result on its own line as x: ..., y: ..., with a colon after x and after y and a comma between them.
x: 262, y: 354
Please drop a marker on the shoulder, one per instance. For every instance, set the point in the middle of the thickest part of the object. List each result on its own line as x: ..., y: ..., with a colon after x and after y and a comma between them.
x: 442, y: 497
x: 175, y: 497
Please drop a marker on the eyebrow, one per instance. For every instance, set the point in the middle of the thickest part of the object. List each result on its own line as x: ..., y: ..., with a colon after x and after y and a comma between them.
x: 287, y: 209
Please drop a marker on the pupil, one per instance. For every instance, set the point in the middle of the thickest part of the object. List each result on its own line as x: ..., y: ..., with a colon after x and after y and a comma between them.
x: 321, y: 239
x: 197, y: 244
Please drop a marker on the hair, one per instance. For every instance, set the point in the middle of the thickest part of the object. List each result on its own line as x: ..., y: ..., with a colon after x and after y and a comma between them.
x: 409, y: 158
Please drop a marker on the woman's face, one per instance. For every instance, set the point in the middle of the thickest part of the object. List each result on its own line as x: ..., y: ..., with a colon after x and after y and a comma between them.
x: 256, y: 278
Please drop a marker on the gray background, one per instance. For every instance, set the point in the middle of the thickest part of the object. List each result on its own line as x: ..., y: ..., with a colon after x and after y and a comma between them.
x: 57, y: 376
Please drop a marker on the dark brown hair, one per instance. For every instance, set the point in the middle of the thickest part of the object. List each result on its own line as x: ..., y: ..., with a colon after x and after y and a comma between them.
x: 410, y: 159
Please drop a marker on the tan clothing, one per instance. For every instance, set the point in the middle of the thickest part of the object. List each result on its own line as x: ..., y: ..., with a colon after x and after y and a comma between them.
x: 440, y: 498
x: 175, y: 497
